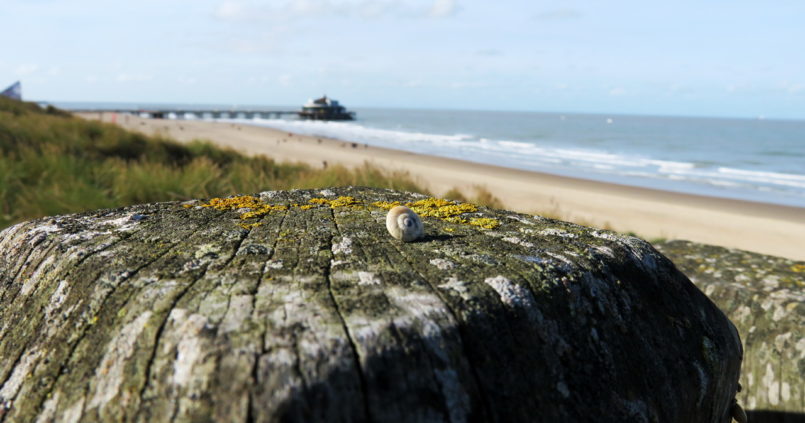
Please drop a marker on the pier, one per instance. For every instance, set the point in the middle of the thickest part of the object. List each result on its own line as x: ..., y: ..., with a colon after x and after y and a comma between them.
x: 323, y: 108
x: 169, y: 113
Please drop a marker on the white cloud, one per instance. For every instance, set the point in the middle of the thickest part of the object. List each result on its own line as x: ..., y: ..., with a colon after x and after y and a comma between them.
x: 133, y: 77
x: 676, y: 87
x: 617, y: 91
x: 378, y: 9
x: 558, y: 15
x: 458, y: 85
x: 26, y: 69
x: 269, y: 42
x: 284, y: 80
x: 443, y: 8
x: 737, y: 87
x: 187, y: 80
x: 229, y: 10
x: 314, y: 7
x: 252, y: 10
x: 489, y: 52
x: 794, y: 88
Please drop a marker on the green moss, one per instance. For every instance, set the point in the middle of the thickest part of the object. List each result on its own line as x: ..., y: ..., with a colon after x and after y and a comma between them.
x: 709, y: 352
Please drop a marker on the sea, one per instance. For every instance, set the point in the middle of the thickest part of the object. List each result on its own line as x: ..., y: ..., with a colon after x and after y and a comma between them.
x: 761, y: 160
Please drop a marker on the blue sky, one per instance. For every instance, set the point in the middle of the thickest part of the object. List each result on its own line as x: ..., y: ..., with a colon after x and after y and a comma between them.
x: 699, y: 58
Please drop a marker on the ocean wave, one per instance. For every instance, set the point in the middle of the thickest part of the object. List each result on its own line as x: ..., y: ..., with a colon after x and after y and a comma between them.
x: 544, y: 155
x: 775, y: 178
x: 348, y: 131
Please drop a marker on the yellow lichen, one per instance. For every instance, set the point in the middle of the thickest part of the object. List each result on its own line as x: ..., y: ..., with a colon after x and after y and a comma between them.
x: 799, y: 268
x: 256, y: 207
x: 386, y: 205
x: 338, y: 202
x: 438, y: 207
x: 262, y: 210
x: 485, y: 222
x: 234, y: 203
x: 344, y: 201
x: 249, y: 226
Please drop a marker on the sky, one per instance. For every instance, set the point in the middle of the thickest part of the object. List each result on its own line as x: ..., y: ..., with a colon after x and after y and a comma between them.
x: 726, y: 58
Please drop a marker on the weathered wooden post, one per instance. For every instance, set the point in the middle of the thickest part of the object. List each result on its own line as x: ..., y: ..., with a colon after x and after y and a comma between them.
x: 299, y: 306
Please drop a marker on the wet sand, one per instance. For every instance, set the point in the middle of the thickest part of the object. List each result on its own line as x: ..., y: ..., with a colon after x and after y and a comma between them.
x: 760, y: 227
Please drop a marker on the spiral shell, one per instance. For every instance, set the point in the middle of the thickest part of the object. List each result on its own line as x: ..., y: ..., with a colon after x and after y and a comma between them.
x: 404, y: 224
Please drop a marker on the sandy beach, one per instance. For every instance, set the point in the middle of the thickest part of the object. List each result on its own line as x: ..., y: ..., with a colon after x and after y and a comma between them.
x: 760, y: 227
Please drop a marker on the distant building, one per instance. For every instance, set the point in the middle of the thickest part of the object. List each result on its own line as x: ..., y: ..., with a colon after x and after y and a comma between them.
x: 325, y: 109
x: 13, y: 91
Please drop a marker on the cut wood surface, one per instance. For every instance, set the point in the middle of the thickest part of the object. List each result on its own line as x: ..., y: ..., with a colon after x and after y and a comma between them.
x: 299, y: 306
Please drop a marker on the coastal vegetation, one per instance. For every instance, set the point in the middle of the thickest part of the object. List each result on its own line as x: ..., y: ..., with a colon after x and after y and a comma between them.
x: 482, y: 196
x: 52, y: 163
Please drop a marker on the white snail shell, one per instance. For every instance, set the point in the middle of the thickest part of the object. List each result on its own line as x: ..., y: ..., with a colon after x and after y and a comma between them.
x: 404, y: 224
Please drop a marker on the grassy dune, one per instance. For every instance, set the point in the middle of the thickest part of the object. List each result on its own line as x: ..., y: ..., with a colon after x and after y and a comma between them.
x: 52, y: 163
